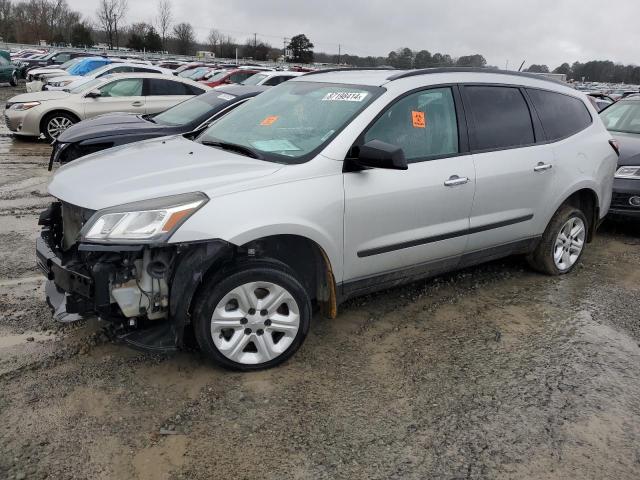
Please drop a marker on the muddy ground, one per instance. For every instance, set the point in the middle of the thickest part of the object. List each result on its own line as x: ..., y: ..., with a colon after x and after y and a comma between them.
x: 492, y: 372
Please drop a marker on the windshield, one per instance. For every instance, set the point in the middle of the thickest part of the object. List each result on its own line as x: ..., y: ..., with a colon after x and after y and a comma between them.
x: 87, y: 85
x: 622, y: 117
x: 218, y: 76
x: 255, y: 79
x: 70, y: 63
x: 193, y: 109
x: 291, y: 121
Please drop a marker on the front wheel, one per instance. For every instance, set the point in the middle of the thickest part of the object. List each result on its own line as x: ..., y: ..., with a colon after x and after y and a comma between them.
x: 13, y: 81
x: 562, y: 243
x: 56, y: 123
x: 252, y: 316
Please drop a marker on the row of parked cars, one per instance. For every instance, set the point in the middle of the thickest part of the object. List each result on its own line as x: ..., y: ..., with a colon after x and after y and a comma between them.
x: 83, y: 87
x: 234, y: 215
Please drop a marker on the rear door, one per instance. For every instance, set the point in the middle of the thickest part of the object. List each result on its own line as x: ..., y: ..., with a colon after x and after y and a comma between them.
x: 514, y: 167
x: 399, y: 223
x: 122, y: 95
x: 165, y: 93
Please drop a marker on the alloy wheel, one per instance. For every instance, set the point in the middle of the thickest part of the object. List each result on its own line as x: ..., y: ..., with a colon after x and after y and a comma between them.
x: 255, y: 323
x: 57, y: 125
x: 569, y: 244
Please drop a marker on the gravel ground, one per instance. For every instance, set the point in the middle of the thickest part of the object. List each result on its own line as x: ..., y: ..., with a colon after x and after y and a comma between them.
x: 491, y: 372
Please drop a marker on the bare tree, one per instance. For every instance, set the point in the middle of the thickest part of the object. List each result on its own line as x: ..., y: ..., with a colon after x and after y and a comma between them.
x: 185, y: 38
x: 163, y: 22
x: 214, y: 40
x: 110, y: 14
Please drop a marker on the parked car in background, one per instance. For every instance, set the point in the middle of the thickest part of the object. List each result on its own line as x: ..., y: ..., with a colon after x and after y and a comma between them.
x: 50, y: 113
x: 52, y: 58
x: 600, y: 100
x: 8, y: 71
x: 84, y: 66
x: 326, y: 187
x: 226, y: 77
x: 270, y: 79
x: 171, y: 64
x: 34, y: 73
x: 111, y: 130
x: 197, y: 73
x: 622, y: 119
x: 69, y: 82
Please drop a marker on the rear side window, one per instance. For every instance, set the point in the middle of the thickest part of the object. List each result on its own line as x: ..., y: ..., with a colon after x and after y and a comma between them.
x: 240, y: 76
x: 166, y: 87
x: 145, y: 70
x: 561, y: 115
x: 501, y: 117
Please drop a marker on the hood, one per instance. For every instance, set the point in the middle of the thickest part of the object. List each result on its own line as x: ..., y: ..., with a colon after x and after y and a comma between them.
x: 39, y: 96
x: 110, y: 124
x: 629, y: 148
x: 60, y: 78
x: 46, y: 71
x: 154, y: 168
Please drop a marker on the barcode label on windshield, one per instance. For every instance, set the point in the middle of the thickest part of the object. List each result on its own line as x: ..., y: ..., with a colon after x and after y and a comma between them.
x: 344, y: 97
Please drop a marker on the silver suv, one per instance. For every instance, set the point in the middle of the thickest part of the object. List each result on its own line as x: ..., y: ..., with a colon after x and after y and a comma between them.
x: 328, y: 186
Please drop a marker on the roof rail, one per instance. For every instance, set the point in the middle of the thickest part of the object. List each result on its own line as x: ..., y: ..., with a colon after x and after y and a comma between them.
x: 425, y: 71
x: 347, y: 69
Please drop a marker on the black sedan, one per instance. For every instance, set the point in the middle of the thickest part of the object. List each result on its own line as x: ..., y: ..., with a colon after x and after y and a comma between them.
x: 116, y: 129
x: 622, y: 119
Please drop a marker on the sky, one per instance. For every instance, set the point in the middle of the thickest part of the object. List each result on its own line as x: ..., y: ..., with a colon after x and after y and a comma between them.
x: 536, y: 31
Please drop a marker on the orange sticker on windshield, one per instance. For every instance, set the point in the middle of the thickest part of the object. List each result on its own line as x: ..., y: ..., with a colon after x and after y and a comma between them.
x: 418, y: 119
x: 269, y: 120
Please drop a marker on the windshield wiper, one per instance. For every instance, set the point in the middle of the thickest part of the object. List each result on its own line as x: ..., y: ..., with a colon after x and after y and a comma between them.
x: 234, y: 147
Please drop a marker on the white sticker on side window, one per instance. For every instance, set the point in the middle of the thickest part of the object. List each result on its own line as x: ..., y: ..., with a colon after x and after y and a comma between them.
x: 226, y: 96
x: 345, y: 97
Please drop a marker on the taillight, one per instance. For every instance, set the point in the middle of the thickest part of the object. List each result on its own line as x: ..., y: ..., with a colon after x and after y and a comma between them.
x: 615, y: 145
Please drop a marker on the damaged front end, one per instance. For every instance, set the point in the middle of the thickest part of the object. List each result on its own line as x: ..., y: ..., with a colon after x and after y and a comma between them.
x: 146, y: 288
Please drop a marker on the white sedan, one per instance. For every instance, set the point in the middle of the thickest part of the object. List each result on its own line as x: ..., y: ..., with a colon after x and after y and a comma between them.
x: 50, y: 113
x: 69, y: 82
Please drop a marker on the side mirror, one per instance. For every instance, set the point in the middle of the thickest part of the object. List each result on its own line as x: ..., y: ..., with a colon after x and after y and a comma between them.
x: 378, y: 154
x: 93, y: 94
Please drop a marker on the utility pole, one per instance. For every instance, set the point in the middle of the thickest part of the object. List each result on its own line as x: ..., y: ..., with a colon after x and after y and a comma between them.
x: 339, y: 53
x: 284, y: 49
x: 255, y: 46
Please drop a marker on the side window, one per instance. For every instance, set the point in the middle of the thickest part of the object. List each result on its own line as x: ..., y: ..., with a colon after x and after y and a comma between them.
x: 128, y: 87
x: 501, y: 117
x: 3, y: 61
x: 561, y: 115
x: 424, y: 124
x: 272, y: 81
x: 120, y: 69
x: 191, y: 90
x: 166, y: 87
x: 144, y: 70
x: 240, y: 76
x: 63, y: 57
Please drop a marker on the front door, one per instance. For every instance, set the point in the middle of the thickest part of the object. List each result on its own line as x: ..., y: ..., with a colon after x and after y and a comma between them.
x: 416, y: 220
x: 122, y: 95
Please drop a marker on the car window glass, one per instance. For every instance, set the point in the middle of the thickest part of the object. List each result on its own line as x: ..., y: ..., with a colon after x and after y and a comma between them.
x: 423, y: 124
x: 622, y: 117
x: 3, y: 61
x: 129, y: 87
x: 274, y: 81
x: 501, y: 117
x: 240, y: 76
x: 119, y: 69
x: 561, y: 115
x: 166, y: 87
x: 63, y: 57
x: 144, y: 70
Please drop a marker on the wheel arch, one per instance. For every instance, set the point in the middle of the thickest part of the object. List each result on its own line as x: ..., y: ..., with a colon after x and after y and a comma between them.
x: 48, y: 113
x: 587, y: 200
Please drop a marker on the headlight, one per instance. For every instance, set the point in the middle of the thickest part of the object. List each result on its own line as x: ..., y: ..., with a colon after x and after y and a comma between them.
x: 632, y: 171
x: 24, y: 106
x: 149, y: 221
x: 63, y: 83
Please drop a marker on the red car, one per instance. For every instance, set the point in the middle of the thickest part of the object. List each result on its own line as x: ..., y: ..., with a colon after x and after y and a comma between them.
x: 237, y: 75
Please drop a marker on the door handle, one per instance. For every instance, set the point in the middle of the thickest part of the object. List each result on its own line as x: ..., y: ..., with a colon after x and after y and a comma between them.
x: 542, y: 167
x: 137, y: 104
x: 455, y: 180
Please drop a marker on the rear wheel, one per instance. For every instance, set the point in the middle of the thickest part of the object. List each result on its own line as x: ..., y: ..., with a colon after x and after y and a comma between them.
x: 55, y: 123
x: 562, y: 243
x: 254, y: 315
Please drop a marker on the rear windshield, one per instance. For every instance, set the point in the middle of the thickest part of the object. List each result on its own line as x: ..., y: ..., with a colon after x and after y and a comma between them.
x: 288, y: 123
x: 622, y: 117
x: 194, y: 109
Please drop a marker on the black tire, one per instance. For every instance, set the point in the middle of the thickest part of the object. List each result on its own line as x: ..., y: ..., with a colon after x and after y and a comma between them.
x: 44, y: 125
x: 542, y: 258
x: 214, y: 289
x: 13, y: 81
